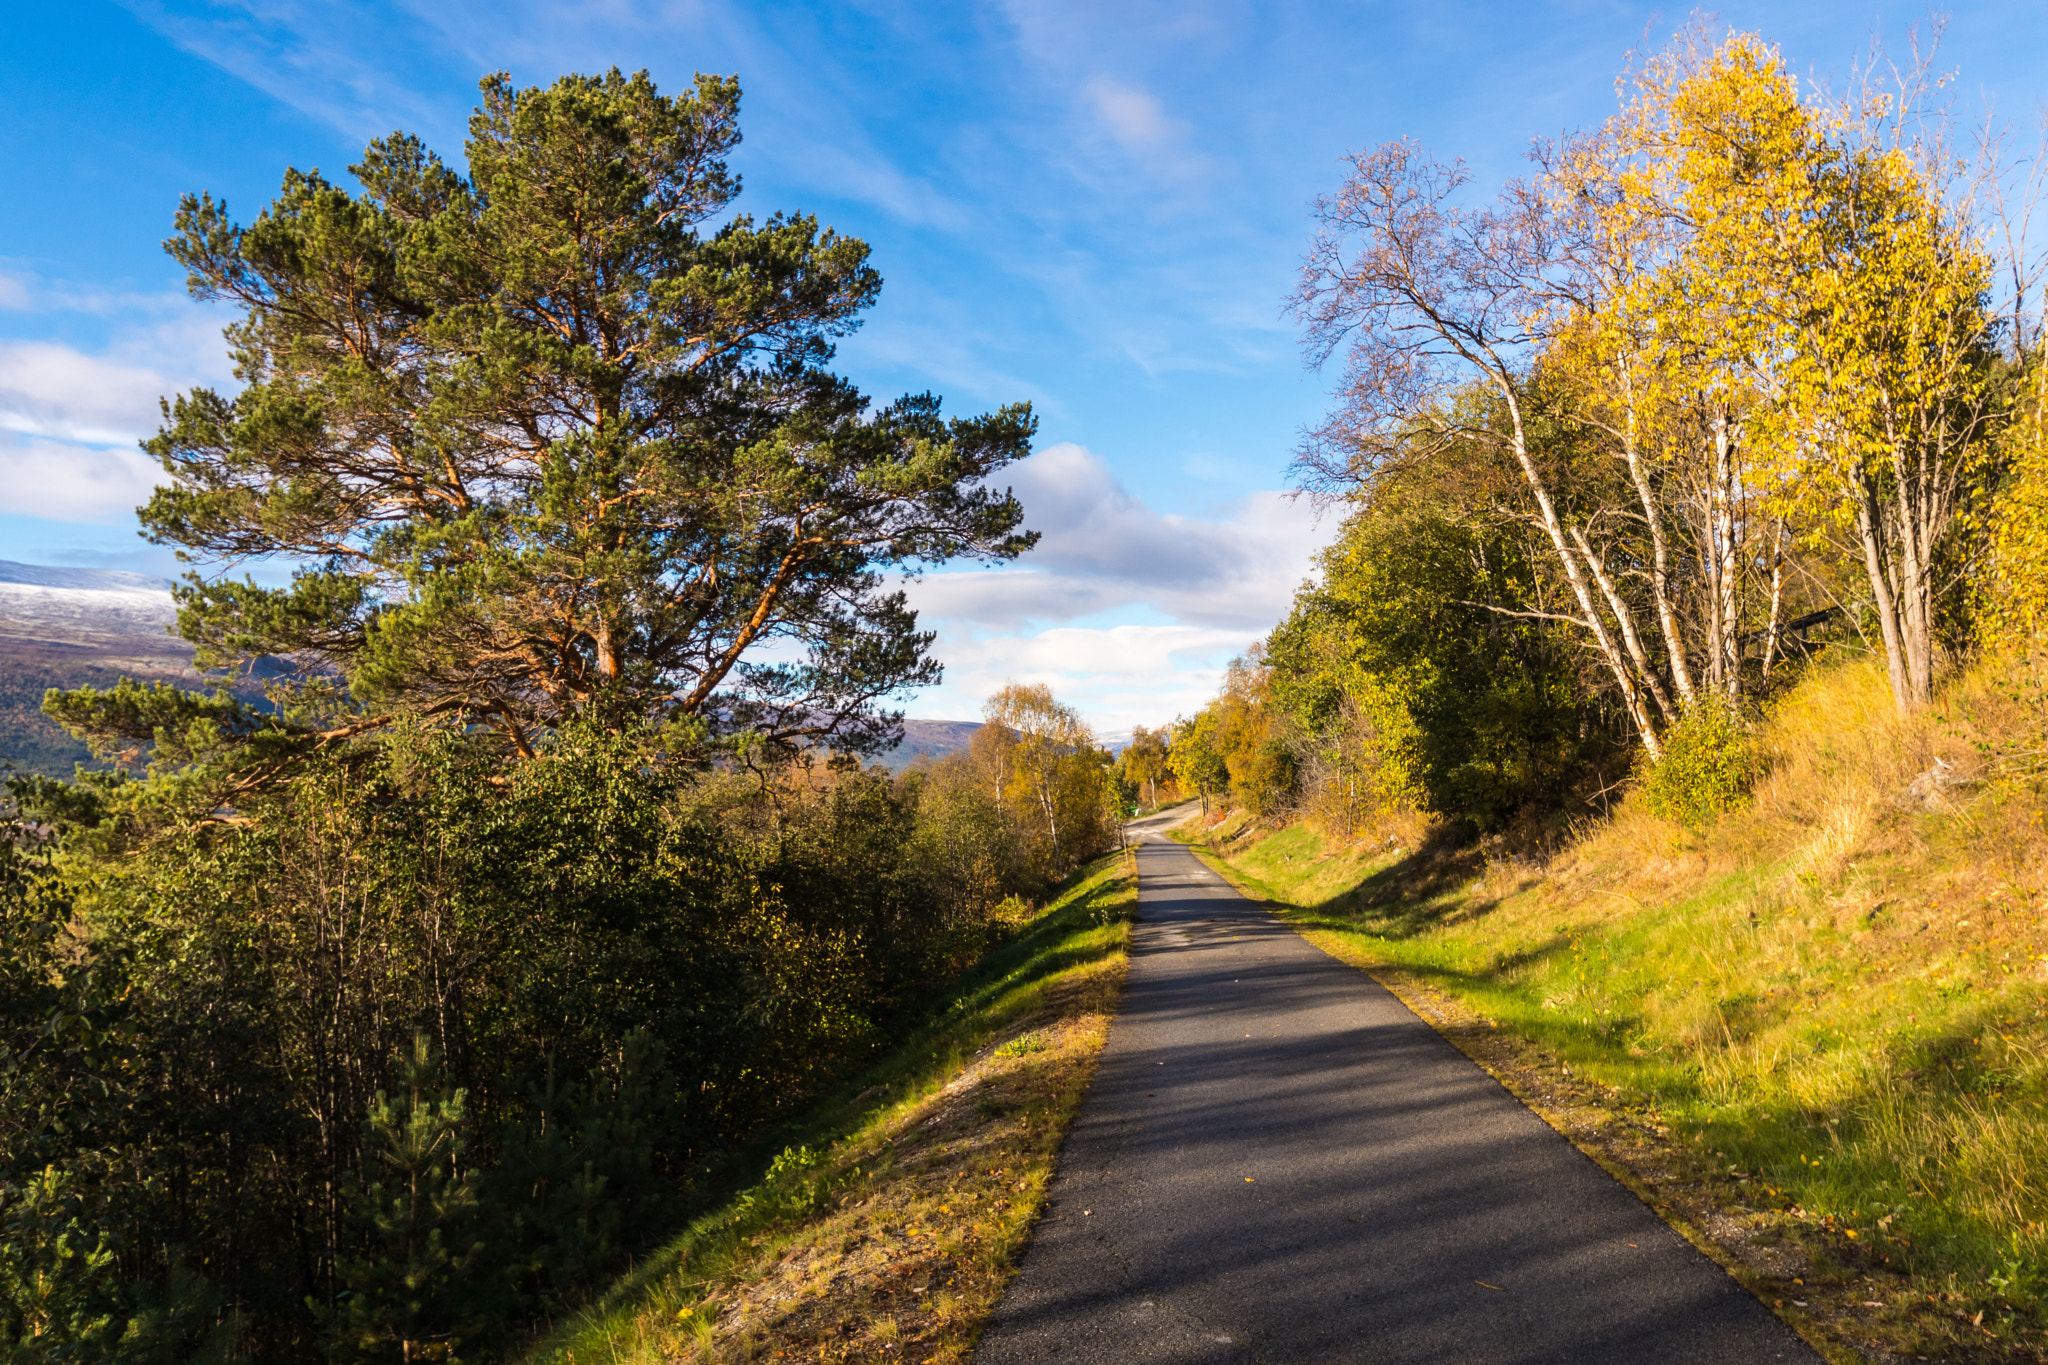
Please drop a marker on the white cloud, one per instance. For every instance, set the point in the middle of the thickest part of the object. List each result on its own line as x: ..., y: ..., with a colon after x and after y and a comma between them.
x: 1118, y: 676
x: 47, y: 389
x: 1126, y: 653
x: 1103, y: 548
x: 1220, y: 583
x: 74, y: 483
x: 1135, y: 118
x: 75, y: 416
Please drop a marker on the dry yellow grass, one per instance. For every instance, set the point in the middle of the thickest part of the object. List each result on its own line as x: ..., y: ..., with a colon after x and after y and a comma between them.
x: 1839, y: 993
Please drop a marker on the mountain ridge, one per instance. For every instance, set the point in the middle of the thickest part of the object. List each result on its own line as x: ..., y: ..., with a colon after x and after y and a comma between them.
x: 84, y: 580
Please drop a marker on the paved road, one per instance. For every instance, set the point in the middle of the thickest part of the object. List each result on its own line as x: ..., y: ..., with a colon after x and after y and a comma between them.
x: 1279, y: 1162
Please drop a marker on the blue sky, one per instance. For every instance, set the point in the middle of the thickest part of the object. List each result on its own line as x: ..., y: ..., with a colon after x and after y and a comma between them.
x: 1098, y: 207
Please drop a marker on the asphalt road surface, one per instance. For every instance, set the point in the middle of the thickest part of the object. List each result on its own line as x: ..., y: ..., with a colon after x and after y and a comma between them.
x: 1279, y: 1162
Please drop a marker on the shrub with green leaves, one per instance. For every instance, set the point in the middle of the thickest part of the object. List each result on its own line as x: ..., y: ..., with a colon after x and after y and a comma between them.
x: 1708, y: 765
x: 626, y: 964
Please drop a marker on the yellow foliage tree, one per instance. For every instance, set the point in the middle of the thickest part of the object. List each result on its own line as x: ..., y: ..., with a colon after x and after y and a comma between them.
x: 1772, y: 313
x: 1820, y: 249
x: 1043, y: 760
x: 2014, y: 600
x: 1145, y: 759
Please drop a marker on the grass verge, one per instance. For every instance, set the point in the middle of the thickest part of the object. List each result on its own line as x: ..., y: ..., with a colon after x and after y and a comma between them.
x: 889, y: 1225
x: 1814, y: 1034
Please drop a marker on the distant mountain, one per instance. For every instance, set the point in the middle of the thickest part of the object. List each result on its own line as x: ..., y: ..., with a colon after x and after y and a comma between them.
x: 937, y: 738
x: 69, y: 627
x: 100, y: 609
x: 929, y: 739
x: 87, y: 580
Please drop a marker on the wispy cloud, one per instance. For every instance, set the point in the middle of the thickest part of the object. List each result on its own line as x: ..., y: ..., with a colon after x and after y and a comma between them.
x: 947, y: 350
x: 1135, y: 118
x: 27, y: 291
x: 1136, y: 121
x: 61, y: 481
x: 857, y: 171
x: 310, y: 56
x: 1103, y: 547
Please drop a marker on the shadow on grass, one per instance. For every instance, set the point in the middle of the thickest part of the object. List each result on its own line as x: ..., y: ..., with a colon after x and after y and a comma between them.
x: 1404, y: 898
x: 1869, y: 1182
x: 740, y: 1193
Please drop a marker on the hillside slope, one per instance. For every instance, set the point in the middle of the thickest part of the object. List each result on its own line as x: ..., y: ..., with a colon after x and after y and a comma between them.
x: 1822, y: 1019
x: 64, y: 627
x: 888, y: 1226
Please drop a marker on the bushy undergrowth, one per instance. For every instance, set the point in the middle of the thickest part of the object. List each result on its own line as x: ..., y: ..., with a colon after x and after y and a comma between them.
x: 1707, y: 767
x: 411, y: 1049
x: 887, y: 1224
x: 1839, y: 990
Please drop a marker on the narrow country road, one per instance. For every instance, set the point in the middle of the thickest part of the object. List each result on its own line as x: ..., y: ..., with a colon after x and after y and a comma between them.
x: 1278, y: 1162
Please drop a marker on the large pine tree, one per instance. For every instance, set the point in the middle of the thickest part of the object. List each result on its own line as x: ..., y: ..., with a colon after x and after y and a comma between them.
x: 543, y: 442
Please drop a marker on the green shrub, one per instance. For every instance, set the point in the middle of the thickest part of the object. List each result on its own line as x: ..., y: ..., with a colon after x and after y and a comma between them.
x: 626, y: 966
x: 1708, y: 765
x: 1022, y: 1046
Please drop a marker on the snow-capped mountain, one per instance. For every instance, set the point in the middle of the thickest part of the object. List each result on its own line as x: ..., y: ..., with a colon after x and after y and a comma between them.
x: 102, y: 609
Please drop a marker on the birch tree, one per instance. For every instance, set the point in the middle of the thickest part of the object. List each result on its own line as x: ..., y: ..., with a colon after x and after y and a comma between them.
x: 1763, y: 319
x: 1428, y: 300
x: 1820, y: 242
x: 1649, y: 374
x: 1049, y: 769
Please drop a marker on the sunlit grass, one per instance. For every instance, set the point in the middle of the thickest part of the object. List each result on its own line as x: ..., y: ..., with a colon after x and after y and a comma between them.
x: 1843, y: 998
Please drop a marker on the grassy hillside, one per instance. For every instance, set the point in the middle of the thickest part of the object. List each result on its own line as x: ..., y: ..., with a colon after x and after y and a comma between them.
x: 1828, y: 1011
x: 887, y: 1226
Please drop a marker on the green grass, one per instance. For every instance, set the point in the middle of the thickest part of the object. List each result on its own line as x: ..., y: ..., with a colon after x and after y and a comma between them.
x: 1853, y: 1020
x: 898, y: 1179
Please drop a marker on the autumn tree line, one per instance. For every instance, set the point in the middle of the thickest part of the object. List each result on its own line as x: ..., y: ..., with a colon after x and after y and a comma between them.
x: 1747, y: 373
x: 388, y: 999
